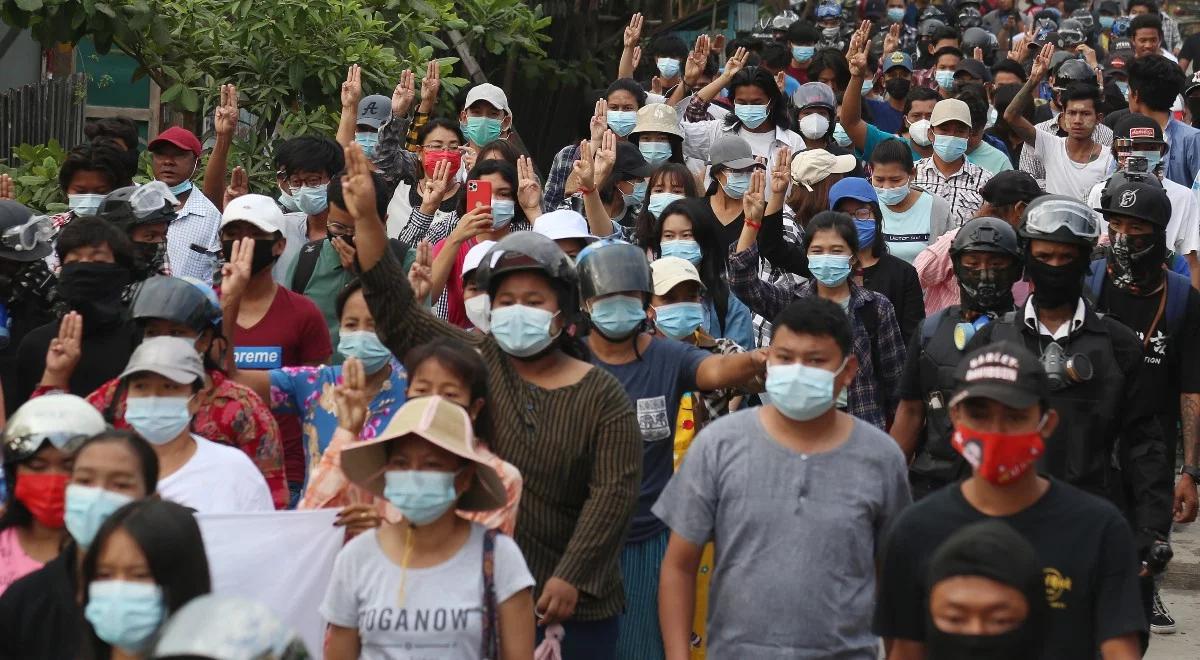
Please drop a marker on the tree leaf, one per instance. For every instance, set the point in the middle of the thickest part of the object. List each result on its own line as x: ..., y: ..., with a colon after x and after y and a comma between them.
x: 172, y: 93
x: 29, y: 5
x: 189, y: 99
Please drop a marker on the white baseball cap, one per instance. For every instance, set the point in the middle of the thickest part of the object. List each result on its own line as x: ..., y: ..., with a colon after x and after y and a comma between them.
x: 671, y: 271
x: 475, y: 254
x: 562, y: 224
x: 259, y: 210
x: 489, y: 93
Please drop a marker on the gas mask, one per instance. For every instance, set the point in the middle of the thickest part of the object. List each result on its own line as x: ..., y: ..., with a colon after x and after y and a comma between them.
x: 1064, y: 370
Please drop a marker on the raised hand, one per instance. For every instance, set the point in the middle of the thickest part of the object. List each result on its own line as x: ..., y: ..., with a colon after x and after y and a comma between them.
x: 633, y: 32
x: 977, y: 54
x: 856, y: 57
x: 1041, y: 63
x: 693, y: 68
x: 6, y: 187
x: 781, y: 81
x: 529, y: 189
x: 599, y: 121
x: 754, y: 202
x: 239, y: 184
x: 781, y: 174
x: 1089, y: 54
x: 225, y: 119
x: 434, y: 186
x: 431, y: 86
x: 473, y: 223
x: 606, y: 157
x: 345, y: 252
x: 636, y: 59
x: 657, y: 85
x: 891, y: 41
x: 236, y: 273
x: 65, y: 350
x: 350, y: 399
x: 420, y: 275
x: 718, y: 43
x: 352, y: 88
x: 403, y: 95
x: 735, y: 63
x: 584, y: 167
x: 358, y: 187
x: 1020, y: 49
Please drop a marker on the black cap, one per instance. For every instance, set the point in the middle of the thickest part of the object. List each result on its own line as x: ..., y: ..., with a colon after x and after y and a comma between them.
x: 1010, y: 187
x: 1140, y: 201
x: 631, y: 164
x: 975, y: 69
x: 1193, y: 84
x: 1138, y: 128
x: 990, y: 548
x: 1118, y: 62
x: 1004, y: 371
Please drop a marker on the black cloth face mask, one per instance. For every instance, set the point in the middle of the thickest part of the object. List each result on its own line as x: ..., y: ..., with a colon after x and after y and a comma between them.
x: 1136, y: 261
x: 1056, y: 286
x: 94, y: 290
x: 264, y: 256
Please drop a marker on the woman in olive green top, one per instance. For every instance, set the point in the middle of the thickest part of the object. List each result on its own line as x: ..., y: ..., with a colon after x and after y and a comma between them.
x: 567, y: 426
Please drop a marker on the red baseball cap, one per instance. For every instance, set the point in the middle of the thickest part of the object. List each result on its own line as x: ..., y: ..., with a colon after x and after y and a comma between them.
x: 179, y: 137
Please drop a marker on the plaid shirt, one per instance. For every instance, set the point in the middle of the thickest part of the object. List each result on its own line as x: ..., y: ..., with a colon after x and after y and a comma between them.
x: 1033, y: 165
x: 960, y: 190
x: 555, y: 196
x: 872, y: 393
x: 392, y: 156
x: 195, y: 224
x: 1172, y: 40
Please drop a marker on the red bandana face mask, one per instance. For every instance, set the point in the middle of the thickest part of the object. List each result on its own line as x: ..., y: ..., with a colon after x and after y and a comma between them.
x: 1000, y: 458
x: 44, y: 495
x: 432, y: 158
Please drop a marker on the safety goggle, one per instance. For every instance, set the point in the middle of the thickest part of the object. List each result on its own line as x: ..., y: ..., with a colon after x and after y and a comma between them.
x: 37, y: 230
x: 20, y: 447
x: 1048, y: 217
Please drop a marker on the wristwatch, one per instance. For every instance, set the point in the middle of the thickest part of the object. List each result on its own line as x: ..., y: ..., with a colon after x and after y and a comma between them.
x: 1191, y: 471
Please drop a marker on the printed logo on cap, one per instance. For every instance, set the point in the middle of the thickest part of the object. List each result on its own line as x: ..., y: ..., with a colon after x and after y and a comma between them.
x: 370, y: 109
x: 1136, y: 132
x: 1128, y: 198
x: 993, y: 366
x: 897, y: 57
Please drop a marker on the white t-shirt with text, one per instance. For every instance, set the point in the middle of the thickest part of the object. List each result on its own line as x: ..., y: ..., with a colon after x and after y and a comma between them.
x: 217, y: 479
x: 442, y: 613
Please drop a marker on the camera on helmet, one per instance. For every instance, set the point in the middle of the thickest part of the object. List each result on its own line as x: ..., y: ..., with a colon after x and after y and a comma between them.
x: 1064, y: 370
x: 1137, y: 165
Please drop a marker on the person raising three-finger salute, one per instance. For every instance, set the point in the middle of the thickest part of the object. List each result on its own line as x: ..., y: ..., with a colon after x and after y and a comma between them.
x: 567, y: 426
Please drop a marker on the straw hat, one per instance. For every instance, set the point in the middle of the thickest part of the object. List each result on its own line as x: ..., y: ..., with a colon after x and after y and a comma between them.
x: 441, y: 422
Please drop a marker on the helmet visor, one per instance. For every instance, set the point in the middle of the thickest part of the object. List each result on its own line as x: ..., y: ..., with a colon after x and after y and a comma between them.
x: 1052, y: 215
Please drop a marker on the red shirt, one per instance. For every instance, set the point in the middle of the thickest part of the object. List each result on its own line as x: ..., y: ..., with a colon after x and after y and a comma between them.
x: 291, y: 334
x: 456, y: 313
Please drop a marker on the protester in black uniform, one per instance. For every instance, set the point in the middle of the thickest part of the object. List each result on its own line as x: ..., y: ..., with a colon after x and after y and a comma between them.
x: 26, y: 284
x: 97, y: 261
x: 144, y: 213
x: 987, y: 262
x: 1004, y: 418
x: 1093, y: 363
x: 1163, y: 309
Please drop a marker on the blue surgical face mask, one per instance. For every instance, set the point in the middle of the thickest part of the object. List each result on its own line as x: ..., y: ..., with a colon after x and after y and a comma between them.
x: 313, y: 200
x: 655, y: 153
x: 522, y: 331
x: 892, y: 196
x: 503, y: 211
x: 634, y: 199
x: 158, y: 419
x: 866, y: 232
x: 948, y: 147
x: 736, y: 184
x: 752, y: 116
x: 125, y: 614
x: 685, y: 248
x: 896, y: 14
x: 84, y: 204
x: 680, y: 320
x: 840, y: 136
x: 288, y: 202
x: 1123, y: 87
x: 867, y: 86
x: 421, y: 495
x: 945, y: 79
x: 369, y: 141
x: 481, y: 130
x: 87, y: 507
x: 181, y: 187
x: 659, y: 201
x: 803, y: 53
x: 617, y: 317
x: 622, y: 121
x: 668, y: 67
x: 365, y: 345
x: 801, y: 392
x: 830, y: 269
x: 1106, y: 22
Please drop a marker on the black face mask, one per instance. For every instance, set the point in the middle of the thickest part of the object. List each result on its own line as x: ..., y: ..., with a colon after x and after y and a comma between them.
x: 349, y: 238
x: 94, y: 290
x: 263, y: 258
x: 1012, y: 645
x: 148, y: 259
x: 1135, y: 263
x: 1056, y: 286
x: 898, y: 88
x: 985, y: 289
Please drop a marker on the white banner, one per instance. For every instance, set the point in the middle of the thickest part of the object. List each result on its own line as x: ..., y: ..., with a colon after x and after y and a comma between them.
x: 281, y: 559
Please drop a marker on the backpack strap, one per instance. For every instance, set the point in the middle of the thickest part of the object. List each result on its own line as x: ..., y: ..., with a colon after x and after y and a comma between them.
x: 1095, y: 279
x: 930, y: 325
x: 491, y: 627
x: 306, y: 265
x: 1177, y: 296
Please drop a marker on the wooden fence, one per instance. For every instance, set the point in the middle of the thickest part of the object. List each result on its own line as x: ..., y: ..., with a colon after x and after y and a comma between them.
x: 34, y: 114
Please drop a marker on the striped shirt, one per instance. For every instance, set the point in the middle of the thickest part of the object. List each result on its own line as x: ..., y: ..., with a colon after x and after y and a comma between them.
x: 192, y: 242
x: 578, y: 447
x: 960, y: 190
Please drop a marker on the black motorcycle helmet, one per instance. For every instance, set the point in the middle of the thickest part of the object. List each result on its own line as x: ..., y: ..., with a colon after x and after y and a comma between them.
x: 524, y: 251
x: 968, y: 17
x: 607, y: 267
x: 1073, y: 70
x: 977, y: 37
x: 981, y: 290
x: 1060, y: 219
x: 1071, y: 34
x: 176, y: 300
x: 23, y: 237
x: 132, y: 206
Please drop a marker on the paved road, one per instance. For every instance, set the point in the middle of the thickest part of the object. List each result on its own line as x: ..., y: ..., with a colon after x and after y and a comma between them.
x: 1181, y: 593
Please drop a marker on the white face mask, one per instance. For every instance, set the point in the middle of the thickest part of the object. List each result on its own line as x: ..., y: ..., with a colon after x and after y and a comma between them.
x: 919, y: 133
x: 814, y: 126
x: 478, y: 311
